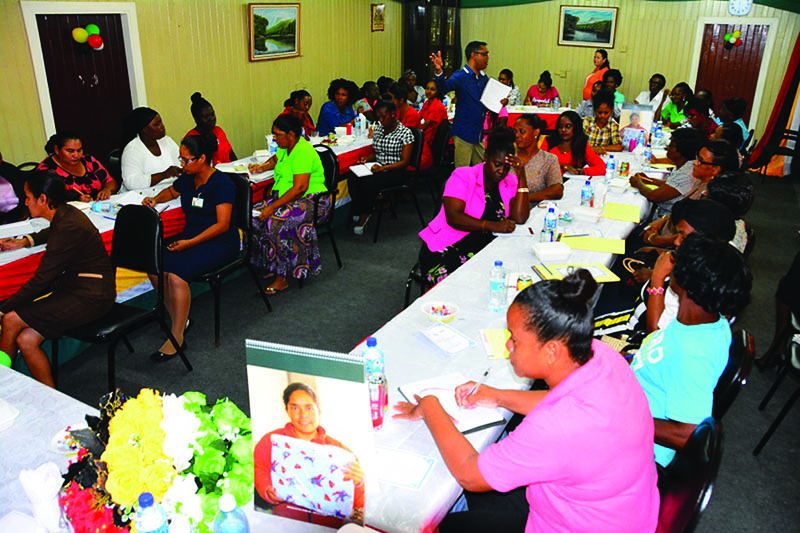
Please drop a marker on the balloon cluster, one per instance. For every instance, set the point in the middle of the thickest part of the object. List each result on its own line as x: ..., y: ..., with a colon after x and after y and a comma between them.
x: 90, y: 34
x: 733, y: 39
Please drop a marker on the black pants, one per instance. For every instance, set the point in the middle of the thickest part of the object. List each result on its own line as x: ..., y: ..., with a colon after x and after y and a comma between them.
x: 364, y: 190
x: 490, y: 511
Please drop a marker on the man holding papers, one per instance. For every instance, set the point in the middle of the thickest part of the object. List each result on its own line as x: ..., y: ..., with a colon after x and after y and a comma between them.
x: 469, y: 84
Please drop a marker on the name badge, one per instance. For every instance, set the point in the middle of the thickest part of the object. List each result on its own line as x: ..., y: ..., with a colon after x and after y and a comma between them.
x: 197, y: 202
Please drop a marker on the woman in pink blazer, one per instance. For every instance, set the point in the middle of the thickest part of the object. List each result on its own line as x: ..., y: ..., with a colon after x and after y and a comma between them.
x: 477, y: 202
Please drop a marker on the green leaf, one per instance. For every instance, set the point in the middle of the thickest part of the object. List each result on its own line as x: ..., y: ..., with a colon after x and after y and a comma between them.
x: 210, y: 505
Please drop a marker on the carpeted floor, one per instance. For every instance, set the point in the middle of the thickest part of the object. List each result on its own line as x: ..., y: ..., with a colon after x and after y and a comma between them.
x: 339, y: 308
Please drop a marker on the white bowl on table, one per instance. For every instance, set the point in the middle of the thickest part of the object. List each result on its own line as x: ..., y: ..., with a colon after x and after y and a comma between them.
x: 439, y: 311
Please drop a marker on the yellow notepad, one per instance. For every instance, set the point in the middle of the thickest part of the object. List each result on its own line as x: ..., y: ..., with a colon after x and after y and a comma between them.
x: 599, y: 272
x: 494, y: 341
x: 665, y: 166
x: 595, y: 244
x: 624, y: 212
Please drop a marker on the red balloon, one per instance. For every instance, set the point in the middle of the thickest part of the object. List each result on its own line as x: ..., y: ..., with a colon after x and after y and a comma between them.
x: 95, y: 41
x: 738, y: 42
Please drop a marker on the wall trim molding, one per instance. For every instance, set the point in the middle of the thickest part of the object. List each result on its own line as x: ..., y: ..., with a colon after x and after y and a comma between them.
x: 130, y: 33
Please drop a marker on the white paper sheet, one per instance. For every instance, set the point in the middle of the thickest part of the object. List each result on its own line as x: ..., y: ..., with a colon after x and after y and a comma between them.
x: 362, y: 170
x: 403, y: 468
x: 16, y: 229
x: 444, y: 388
x: 493, y: 93
x: 131, y: 198
x: 447, y: 339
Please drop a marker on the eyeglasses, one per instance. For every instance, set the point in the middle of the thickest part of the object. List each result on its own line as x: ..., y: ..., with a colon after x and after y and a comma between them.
x: 185, y: 161
x: 482, y: 53
x: 699, y: 161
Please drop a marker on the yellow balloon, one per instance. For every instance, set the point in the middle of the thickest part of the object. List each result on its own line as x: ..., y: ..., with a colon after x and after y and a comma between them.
x: 80, y: 35
x: 737, y: 34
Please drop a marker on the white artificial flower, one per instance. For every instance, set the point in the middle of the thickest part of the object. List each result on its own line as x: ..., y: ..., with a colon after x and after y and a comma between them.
x: 182, y: 499
x: 180, y: 429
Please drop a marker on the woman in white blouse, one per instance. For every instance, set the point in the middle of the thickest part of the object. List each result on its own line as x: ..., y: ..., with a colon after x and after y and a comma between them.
x: 149, y: 155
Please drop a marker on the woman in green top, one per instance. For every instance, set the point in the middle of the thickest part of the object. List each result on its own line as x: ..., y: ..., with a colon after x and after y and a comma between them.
x: 284, y: 237
x: 672, y: 114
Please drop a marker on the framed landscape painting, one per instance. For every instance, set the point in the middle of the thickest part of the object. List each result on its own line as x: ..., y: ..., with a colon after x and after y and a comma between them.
x: 587, y: 26
x: 274, y: 31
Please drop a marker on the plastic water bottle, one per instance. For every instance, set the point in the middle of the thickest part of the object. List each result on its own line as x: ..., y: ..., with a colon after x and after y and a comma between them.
x: 376, y: 382
x: 550, y: 226
x: 556, y: 102
x: 150, y: 517
x: 273, y: 146
x: 587, y: 194
x: 658, y: 134
x: 648, y: 153
x: 101, y: 207
x: 230, y: 518
x: 611, y: 168
x: 497, y: 287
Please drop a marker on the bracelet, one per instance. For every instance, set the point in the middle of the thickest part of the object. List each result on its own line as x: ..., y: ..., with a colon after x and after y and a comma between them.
x: 655, y: 290
x: 523, y: 189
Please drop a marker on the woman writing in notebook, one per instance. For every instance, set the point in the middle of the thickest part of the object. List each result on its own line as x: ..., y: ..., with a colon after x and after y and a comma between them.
x: 584, y: 458
x: 302, y: 407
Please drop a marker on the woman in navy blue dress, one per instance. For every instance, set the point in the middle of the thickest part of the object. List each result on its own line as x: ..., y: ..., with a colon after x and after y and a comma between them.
x: 210, y: 238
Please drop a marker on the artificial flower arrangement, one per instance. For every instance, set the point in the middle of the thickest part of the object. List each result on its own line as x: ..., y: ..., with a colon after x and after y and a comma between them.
x: 184, y: 451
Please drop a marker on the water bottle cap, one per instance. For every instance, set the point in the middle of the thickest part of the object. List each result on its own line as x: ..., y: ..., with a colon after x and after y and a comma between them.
x: 611, y: 157
x: 498, y: 263
x: 372, y: 342
x: 227, y: 503
x: 551, y: 209
x: 588, y: 182
x: 145, y: 500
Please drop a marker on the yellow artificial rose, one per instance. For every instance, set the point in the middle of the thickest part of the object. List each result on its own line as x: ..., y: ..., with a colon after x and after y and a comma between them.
x: 157, y: 478
x: 124, y: 486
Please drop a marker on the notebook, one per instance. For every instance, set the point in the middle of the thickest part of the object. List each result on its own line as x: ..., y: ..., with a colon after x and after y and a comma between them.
x: 444, y: 387
x: 599, y: 272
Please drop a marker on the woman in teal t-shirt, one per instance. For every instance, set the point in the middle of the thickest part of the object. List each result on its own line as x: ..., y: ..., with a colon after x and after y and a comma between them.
x: 284, y: 237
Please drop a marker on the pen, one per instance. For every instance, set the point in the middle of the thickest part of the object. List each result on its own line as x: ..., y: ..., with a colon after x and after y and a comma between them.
x: 480, y: 382
x: 530, y: 229
x: 547, y: 269
x: 578, y: 235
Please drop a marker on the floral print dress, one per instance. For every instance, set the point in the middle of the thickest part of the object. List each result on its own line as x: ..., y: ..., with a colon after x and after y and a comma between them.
x: 438, y: 265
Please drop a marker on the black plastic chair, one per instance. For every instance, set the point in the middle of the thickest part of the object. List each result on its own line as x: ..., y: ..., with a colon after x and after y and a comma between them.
x: 416, y: 276
x: 686, y: 484
x: 774, y: 148
x: 734, y: 377
x: 114, y: 164
x: 331, y: 165
x: 244, y: 221
x: 137, y: 244
x: 27, y: 166
x: 439, y: 155
x: 394, y: 192
x: 751, y: 243
x: 789, y: 365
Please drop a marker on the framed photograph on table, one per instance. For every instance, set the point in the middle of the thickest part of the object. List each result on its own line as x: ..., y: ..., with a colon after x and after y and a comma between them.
x: 274, y: 31
x: 378, y: 12
x: 587, y: 26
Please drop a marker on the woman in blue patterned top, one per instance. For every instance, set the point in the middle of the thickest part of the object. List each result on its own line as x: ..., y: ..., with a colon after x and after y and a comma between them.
x: 338, y: 110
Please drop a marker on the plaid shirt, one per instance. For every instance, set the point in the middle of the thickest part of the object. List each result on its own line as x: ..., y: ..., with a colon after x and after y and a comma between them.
x: 389, y: 147
x: 606, y: 136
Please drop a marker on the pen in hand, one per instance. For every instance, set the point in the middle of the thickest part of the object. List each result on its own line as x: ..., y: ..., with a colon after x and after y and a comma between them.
x: 480, y: 382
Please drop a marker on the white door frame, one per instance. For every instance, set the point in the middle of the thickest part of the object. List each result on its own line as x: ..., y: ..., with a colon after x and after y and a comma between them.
x: 765, y: 59
x: 130, y: 34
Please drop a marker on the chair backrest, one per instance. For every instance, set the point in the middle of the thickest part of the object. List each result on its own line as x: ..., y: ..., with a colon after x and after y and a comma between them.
x: 27, y: 166
x: 439, y: 143
x: 331, y: 165
x: 114, y: 164
x: 688, y: 481
x: 243, y: 210
x: 751, y: 243
x: 137, y: 243
x: 734, y: 377
x: 416, y: 148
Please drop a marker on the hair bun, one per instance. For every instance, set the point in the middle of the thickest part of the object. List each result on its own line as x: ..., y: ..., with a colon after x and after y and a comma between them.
x: 197, y: 98
x: 579, y: 286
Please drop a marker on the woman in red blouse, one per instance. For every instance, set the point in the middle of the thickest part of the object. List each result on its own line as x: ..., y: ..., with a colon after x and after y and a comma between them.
x: 571, y: 146
x: 432, y: 113
x: 85, y: 178
x: 206, y: 121
x: 410, y: 118
x: 298, y: 104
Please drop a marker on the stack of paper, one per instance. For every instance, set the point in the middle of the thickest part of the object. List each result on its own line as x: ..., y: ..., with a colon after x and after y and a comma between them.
x: 362, y: 170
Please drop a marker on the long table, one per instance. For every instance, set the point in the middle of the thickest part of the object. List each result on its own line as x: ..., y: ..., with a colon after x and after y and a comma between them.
x: 409, y: 357
x: 16, y: 273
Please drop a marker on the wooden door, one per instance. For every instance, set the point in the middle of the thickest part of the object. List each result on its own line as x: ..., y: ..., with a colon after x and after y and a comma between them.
x: 89, y: 89
x: 734, y: 72
x: 428, y: 27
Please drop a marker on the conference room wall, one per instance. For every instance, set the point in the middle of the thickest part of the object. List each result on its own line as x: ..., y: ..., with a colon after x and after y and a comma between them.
x: 202, y: 45
x: 651, y: 37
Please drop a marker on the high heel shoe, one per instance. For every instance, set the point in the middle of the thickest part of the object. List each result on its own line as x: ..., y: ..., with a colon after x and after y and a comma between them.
x: 159, y: 356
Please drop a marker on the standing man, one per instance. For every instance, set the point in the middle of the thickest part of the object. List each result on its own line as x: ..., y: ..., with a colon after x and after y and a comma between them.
x: 468, y: 83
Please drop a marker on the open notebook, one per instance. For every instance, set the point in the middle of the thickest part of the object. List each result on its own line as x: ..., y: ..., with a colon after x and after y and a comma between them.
x: 444, y: 387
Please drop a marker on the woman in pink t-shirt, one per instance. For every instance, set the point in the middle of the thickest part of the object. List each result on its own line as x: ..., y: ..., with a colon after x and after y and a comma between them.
x: 543, y: 93
x: 584, y: 450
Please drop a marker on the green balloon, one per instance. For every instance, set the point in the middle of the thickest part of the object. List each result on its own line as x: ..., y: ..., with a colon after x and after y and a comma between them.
x: 92, y: 29
x: 5, y: 360
x: 727, y: 35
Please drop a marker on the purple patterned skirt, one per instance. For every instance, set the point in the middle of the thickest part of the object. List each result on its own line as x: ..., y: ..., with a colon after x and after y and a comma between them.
x: 286, y: 244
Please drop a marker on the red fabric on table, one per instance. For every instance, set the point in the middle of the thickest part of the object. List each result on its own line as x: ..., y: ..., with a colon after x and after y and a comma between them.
x: 550, y: 118
x: 348, y: 159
